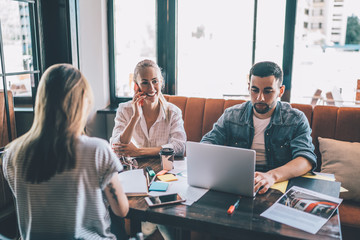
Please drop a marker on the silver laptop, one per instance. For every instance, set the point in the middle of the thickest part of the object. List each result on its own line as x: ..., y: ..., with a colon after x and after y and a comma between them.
x: 221, y: 168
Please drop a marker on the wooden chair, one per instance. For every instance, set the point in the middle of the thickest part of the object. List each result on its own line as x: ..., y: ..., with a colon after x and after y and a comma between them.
x: 330, y: 99
x: 317, y: 96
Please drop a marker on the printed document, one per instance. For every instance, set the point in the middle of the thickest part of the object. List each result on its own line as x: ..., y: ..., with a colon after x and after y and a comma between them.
x: 303, y: 209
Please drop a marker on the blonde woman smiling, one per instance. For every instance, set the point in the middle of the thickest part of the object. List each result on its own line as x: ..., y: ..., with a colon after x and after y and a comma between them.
x: 148, y: 122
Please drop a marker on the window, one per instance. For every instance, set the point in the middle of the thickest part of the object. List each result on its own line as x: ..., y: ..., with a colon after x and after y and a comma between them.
x: 215, y: 44
x: 134, y: 40
x: 323, y: 61
x: 214, y: 47
x: 315, y: 25
x: 317, y: 12
x: 270, y: 31
x: 18, y: 50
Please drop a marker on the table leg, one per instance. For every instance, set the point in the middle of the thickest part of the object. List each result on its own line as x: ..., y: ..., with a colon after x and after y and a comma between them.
x: 182, y: 234
x: 135, y: 227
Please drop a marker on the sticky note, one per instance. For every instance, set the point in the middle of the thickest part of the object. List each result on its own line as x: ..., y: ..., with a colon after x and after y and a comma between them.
x: 317, y: 176
x: 159, y: 186
x: 162, y: 172
x: 281, y: 186
x: 167, y: 178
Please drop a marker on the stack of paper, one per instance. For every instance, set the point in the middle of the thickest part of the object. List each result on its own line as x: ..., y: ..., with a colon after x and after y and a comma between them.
x: 134, y: 182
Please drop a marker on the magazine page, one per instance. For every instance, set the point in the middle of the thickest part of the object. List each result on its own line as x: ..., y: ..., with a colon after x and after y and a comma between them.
x: 303, y: 209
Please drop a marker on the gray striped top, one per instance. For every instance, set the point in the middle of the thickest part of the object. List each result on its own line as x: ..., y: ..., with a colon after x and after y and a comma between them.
x: 71, y: 205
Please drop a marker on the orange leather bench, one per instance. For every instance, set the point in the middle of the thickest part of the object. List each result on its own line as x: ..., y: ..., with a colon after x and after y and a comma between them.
x: 340, y: 123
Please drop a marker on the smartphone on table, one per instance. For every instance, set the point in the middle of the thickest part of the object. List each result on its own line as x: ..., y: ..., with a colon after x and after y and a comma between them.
x: 154, y: 201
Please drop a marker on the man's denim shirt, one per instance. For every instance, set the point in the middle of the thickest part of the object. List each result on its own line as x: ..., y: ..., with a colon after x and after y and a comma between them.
x: 286, y: 137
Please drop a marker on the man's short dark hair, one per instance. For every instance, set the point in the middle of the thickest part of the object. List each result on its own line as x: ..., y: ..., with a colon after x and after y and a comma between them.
x: 266, y: 69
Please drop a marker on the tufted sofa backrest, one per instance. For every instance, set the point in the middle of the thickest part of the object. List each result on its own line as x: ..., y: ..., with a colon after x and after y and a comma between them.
x: 341, y: 123
x: 200, y: 114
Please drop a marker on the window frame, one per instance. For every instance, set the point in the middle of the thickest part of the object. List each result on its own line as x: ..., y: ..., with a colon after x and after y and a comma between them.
x: 166, y: 38
x: 59, y: 46
x: 35, y: 73
x: 167, y: 46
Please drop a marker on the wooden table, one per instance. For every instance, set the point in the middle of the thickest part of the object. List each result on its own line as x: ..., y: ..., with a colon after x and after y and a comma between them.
x: 209, y: 215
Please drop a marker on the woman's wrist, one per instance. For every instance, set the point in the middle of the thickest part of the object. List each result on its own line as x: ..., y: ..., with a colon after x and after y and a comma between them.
x: 153, y: 151
x: 135, y: 118
x: 144, y: 151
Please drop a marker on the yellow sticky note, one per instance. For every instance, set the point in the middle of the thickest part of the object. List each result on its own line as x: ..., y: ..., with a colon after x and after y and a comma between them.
x: 167, y: 178
x: 342, y: 189
x: 281, y: 186
x: 318, y: 176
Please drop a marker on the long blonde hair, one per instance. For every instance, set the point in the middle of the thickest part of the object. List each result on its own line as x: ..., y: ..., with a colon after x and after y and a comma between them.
x: 63, y: 102
x: 149, y: 63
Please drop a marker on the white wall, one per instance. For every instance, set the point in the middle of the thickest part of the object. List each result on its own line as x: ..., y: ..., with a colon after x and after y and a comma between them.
x: 94, y: 64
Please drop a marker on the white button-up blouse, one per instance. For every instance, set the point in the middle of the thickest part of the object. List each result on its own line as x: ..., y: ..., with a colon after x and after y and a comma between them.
x: 167, y: 131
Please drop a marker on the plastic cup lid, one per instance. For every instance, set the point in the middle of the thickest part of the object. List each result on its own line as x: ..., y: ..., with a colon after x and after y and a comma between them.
x: 167, y: 151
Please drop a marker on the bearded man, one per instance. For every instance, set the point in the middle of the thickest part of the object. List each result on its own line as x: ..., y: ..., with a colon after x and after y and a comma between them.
x: 278, y: 133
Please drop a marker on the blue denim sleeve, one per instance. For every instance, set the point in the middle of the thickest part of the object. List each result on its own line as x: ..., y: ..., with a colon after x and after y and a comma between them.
x: 301, y: 144
x: 218, y: 134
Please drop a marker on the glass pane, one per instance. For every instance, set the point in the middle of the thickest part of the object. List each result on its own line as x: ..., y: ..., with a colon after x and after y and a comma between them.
x: 270, y: 31
x: 15, y: 24
x: 326, y: 54
x: 135, y: 39
x: 214, y: 47
x: 20, y: 85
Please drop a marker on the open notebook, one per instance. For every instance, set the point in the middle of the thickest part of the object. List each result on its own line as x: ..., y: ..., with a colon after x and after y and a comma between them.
x: 134, y: 182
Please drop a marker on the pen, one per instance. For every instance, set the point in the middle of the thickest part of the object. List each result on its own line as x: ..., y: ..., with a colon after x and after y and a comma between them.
x: 147, y: 179
x: 152, y: 180
x: 233, y: 207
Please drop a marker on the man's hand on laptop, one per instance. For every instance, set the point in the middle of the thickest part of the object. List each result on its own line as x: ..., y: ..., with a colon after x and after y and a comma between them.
x: 264, y: 180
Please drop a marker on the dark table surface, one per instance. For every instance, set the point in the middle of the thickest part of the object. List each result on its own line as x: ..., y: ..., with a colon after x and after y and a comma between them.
x: 209, y: 215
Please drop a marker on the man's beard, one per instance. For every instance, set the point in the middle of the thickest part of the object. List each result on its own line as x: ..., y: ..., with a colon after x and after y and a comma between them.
x: 265, y: 107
